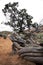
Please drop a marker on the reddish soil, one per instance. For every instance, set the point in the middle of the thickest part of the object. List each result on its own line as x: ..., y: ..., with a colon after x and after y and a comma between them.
x: 6, y: 55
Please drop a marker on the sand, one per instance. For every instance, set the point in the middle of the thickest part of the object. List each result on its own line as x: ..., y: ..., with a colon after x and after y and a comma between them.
x: 6, y: 55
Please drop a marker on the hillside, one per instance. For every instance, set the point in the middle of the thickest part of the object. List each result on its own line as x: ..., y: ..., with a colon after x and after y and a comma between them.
x: 5, y: 32
x: 6, y: 55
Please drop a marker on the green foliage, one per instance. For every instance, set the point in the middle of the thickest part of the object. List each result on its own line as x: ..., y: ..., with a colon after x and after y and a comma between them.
x: 5, y: 32
x: 19, y: 16
x: 40, y: 37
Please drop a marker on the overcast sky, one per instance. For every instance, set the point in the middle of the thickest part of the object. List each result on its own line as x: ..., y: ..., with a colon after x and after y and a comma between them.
x: 34, y: 8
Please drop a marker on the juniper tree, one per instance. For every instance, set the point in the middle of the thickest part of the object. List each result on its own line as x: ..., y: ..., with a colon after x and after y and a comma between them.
x: 17, y: 17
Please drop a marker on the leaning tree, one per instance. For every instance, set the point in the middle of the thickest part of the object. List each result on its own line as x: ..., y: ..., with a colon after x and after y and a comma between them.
x: 18, y: 19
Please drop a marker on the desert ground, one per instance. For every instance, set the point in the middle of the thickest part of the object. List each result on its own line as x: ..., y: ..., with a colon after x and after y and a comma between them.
x: 6, y: 55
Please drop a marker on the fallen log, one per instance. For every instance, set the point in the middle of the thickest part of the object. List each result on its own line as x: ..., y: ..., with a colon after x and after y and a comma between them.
x: 33, y: 54
x: 20, y: 41
x: 34, y: 59
x: 16, y: 45
x: 31, y: 50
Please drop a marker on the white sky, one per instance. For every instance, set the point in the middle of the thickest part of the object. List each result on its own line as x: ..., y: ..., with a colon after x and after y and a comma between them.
x: 34, y: 8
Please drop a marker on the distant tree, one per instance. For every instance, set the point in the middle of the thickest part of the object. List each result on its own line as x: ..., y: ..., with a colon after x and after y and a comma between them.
x: 35, y: 25
x: 17, y: 18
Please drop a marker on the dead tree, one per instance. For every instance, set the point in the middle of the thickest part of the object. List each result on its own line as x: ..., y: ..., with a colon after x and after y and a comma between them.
x: 33, y: 54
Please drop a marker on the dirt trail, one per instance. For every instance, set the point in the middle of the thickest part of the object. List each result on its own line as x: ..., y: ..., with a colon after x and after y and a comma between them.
x: 6, y: 56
